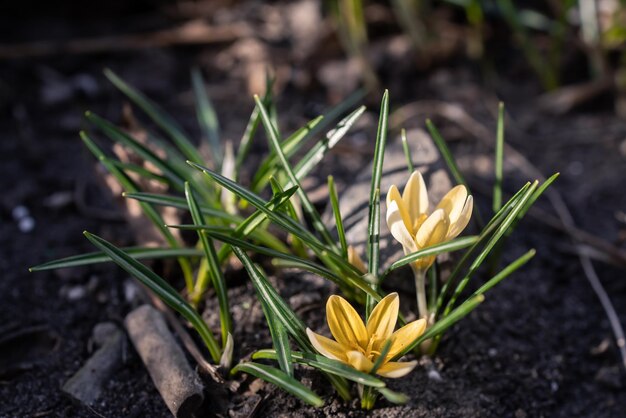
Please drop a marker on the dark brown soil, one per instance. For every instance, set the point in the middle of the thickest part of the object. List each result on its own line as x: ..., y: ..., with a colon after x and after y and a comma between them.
x: 540, y: 345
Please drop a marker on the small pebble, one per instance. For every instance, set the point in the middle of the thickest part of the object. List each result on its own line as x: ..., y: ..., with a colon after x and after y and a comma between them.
x: 19, y: 212
x: 26, y: 224
x: 76, y: 293
x: 554, y: 386
x: 492, y: 352
x: 433, y: 374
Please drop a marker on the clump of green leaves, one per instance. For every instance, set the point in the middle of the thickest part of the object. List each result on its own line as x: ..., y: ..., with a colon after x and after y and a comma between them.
x: 233, y: 220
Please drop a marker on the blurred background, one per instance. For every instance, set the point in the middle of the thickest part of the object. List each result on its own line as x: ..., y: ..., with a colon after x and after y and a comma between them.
x: 558, y: 65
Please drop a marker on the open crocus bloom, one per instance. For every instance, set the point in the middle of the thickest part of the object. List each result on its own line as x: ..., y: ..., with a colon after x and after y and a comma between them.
x: 410, y: 223
x: 360, y: 345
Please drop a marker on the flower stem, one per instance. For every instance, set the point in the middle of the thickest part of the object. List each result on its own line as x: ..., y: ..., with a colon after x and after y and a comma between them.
x: 368, y: 397
x: 420, y: 290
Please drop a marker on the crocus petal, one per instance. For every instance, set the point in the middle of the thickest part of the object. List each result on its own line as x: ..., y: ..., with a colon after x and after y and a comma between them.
x: 393, y: 195
x: 395, y: 369
x: 405, y: 336
x: 355, y: 260
x: 357, y: 360
x: 345, y: 323
x: 398, y: 228
x: 457, y: 227
x: 327, y: 347
x: 433, y: 230
x: 453, y: 202
x: 383, y: 318
x: 415, y: 196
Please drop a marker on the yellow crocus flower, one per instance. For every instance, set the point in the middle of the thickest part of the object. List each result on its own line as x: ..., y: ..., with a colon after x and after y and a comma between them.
x: 409, y: 221
x: 360, y: 345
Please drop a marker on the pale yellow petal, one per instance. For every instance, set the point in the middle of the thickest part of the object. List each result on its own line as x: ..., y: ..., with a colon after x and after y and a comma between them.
x: 393, y: 195
x: 383, y: 318
x: 396, y: 369
x: 357, y: 360
x: 415, y: 196
x: 355, y: 260
x: 327, y: 347
x: 398, y: 228
x: 345, y: 323
x: 453, y: 202
x: 433, y: 230
x: 405, y: 336
x: 457, y: 227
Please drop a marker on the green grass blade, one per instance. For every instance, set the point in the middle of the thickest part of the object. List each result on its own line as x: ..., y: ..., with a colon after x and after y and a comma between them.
x: 158, y: 116
x: 451, y: 164
x: 500, y: 231
x: 499, y: 160
x: 317, y: 152
x: 284, y: 222
x: 214, y: 272
x: 143, y: 172
x: 373, y: 226
x: 129, y: 186
x: 446, y: 247
x: 280, y: 339
x: 275, y: 302
x: 328, y: 365
x: 393, y: 397
x: 407, y: 151
x: 486, y: 232
x: 280, y: 379
x: 334, y: 202
x: 207, y: 117
x: 308, y: 207
x: 138, y: 253
x: 180, y: 203
x: 381, y: 357
x: 161, y: 288
x: 443, y: 324
x: 506, y: 272
x: 118, y: 135
x: 259, y: 235
x: 289, y: 259
x: 289, y: 147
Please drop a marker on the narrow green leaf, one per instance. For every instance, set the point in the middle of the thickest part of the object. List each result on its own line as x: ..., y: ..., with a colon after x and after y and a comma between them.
x: 500, y: 231
x: 284, y: 222
x: 161, y: 288
x: 393, y: 397
x: 485, y: 233
x: 381, y: 357
x: 317, y: 152
x: 280, y: 379
x: 180, y: 203
x: 289, y: 147
x: 143, y: 172
x: 407, y: 151
x: 373, y: 226
x: 320, y: 362
x: 118, y: 135
x: 214, y: 272
x: 280, y: 339
x: 308, y: 207
x: 446, y: 247
x: 138, y: 253
x: 505, y: 272
x: 499, y: 160
x: 451, y: 164
x: 443, y: 324
x: 207, y: 117
x: 158, y: 116
x: 334, y: 202
x: 275, y: 303
x: 129, y: 186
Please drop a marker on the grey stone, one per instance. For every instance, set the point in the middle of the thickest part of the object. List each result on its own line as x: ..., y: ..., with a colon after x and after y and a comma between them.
x: 87, y: 384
